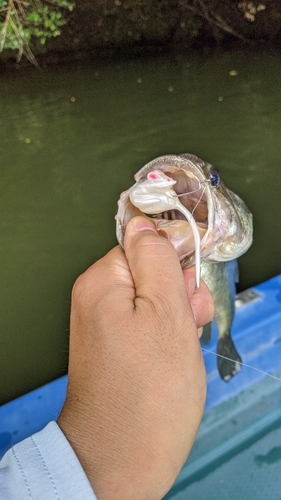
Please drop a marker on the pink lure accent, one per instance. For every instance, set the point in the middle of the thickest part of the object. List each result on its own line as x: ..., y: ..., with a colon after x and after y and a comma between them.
x: 153, y: 177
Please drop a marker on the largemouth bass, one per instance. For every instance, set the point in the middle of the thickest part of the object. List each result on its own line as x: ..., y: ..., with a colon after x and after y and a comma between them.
x: 209, y: 226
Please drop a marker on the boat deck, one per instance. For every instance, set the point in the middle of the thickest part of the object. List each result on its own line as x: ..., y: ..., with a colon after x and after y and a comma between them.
x: 237, y: 453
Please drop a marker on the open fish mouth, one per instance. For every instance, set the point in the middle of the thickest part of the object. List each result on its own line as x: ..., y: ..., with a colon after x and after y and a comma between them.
x: 167, y: 197
x: 186, y: 224
x: 188, y: 204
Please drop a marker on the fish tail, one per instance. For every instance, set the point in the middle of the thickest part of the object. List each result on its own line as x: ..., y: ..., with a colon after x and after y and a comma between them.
x: 207, y: 334
x: 227, y: 367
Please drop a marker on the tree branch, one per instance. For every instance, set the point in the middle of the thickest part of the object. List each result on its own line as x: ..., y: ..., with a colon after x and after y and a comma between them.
x: 214, y: 19
x: 5, y: 24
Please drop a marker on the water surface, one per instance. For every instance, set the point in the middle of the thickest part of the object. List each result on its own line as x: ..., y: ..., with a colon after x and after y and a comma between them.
x: 71, y: 139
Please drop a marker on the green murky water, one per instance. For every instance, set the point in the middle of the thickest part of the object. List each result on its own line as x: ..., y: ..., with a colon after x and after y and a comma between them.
x: 72, y: 138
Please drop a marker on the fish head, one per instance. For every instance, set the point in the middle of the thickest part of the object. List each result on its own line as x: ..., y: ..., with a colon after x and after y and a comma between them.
x: 223, y: 221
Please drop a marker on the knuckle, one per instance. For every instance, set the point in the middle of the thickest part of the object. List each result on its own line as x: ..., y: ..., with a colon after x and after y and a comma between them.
x: 78, y: 289
x: 85, y: 284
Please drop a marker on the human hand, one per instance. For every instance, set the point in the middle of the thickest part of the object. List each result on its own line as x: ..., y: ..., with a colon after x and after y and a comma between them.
x: 137, y: 383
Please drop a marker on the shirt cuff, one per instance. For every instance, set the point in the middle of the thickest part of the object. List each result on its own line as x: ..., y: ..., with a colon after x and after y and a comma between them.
x: 43, y: 466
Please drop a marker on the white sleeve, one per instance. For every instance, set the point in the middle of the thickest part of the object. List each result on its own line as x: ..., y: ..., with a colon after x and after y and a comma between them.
x: 43, y: 467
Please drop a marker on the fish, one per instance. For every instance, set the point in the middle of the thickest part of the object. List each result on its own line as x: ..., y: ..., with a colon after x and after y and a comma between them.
x: 209, y: 226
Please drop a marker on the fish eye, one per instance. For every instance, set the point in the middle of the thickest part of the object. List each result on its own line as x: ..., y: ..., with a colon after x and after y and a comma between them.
x: 215, y: 178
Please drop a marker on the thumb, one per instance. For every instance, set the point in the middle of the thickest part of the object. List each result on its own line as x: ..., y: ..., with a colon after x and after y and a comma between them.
x: 201, y: 301
x: 153, y: 263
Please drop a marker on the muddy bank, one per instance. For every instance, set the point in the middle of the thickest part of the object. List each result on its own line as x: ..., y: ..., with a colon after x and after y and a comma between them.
x: 114, y: 27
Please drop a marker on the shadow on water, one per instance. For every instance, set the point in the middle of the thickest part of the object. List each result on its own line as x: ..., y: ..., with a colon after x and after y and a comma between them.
x: 72, y: 139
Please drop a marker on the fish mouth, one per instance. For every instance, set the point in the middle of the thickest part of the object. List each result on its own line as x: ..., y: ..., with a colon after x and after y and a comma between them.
x: 174, y: 225
x: 186, y: 233
x: 202, y: 218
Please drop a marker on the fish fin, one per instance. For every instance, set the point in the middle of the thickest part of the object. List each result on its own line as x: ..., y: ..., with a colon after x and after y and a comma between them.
x: 236, y: 272
x: 207, y: 334
x: 227, y: 367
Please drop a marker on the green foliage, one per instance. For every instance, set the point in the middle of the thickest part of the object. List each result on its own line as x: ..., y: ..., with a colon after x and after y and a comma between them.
x: 21, y: 21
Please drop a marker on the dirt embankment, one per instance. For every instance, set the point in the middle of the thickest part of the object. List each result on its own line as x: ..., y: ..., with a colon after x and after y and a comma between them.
x: 97, y: 27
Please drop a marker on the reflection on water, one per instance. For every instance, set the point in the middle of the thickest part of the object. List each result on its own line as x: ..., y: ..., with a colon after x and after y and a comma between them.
x: 71, y: 140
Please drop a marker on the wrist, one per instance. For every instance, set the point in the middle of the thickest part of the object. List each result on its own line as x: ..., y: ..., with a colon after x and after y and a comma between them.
x: 131, y: 467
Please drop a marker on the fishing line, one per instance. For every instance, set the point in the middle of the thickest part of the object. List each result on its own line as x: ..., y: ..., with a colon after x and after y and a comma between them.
x: 196, y: 190
x: 203, y: 191
x: 203, y: 349
x: 242, y: 364
x: 190, y: 192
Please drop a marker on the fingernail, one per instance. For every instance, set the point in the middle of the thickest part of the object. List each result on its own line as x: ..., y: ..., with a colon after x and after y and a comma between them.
x: 143, y: 224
